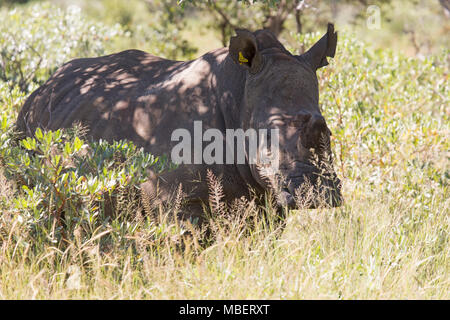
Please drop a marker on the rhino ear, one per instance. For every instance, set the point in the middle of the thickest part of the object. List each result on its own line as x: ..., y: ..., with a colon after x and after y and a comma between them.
x: 317, y: 55
x: 244, y: 50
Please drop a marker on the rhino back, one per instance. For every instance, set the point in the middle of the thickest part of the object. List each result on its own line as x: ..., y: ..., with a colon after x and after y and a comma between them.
x: 123, y: 95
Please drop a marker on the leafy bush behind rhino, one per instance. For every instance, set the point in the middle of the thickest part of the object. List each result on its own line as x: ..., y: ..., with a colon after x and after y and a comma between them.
x: 37, y: 39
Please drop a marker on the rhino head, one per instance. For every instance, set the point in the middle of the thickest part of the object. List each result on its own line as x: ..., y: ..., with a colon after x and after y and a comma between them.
x: 281, y: 91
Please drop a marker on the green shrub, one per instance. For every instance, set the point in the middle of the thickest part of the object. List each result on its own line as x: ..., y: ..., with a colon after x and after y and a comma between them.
x: 154, y: 26
x: 65, y: 182
x: 37, y: 39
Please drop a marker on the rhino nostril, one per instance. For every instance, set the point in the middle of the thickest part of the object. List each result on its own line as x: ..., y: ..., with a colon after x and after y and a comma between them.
x: 318, y: 122
x: 314, y: 131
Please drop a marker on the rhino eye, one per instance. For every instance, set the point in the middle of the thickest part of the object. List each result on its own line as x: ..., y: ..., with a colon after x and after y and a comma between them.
x: 299, y: 120
x: 278, y: 122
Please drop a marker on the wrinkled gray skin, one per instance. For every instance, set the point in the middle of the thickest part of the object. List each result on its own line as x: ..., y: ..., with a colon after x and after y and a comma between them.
x: 134, y: 95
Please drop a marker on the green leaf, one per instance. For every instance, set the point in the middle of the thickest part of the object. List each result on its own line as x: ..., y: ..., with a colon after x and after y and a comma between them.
x: 77, y: 144
x: 39, y: 134
x: 67, y: 149
x: 56, y: 159
x: 4, y: 122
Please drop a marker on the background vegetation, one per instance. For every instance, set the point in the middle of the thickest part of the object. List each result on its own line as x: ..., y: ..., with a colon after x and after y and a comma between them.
x: 385, y: 97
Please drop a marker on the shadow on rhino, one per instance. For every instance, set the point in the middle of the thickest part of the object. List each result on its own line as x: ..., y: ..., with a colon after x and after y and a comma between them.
x: 255, y: 83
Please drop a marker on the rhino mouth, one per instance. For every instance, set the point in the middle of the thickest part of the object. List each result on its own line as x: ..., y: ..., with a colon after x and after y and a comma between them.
x: 312, y: 189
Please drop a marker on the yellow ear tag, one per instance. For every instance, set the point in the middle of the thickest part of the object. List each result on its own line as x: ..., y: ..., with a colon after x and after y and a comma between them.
x: 242, y: 59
